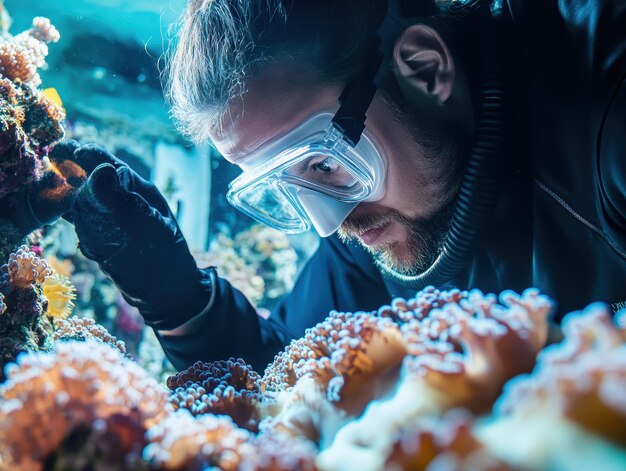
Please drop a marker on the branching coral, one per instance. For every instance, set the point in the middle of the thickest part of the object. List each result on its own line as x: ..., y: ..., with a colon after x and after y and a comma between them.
x: 181, y: 441
x: 81, y: 385
x: 576, y: 394
x: 223, y: 387
x: 84, y: 329
x: 23, y: 54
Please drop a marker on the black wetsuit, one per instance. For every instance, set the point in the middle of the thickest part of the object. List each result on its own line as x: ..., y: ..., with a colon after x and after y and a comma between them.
x: 561, y: 222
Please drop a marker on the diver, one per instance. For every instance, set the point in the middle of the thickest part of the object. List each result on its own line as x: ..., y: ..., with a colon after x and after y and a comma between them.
x: 469, y: 143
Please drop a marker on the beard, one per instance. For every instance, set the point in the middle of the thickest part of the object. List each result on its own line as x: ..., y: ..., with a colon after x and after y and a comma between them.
x: 424, y: 242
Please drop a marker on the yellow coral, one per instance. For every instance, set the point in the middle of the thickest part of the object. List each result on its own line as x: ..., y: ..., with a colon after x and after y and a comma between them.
x: 60, y: 293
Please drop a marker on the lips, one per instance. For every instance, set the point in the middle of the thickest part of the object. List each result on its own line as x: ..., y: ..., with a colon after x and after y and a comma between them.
x: 372, y: 236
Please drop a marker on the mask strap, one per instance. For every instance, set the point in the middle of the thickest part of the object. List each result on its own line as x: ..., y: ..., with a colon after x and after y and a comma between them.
x: 358, y: 94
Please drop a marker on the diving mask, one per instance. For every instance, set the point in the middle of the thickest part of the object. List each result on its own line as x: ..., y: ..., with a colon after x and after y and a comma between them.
x: 310, y: 176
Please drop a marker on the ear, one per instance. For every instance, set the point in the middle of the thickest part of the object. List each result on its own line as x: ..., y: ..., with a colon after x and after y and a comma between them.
x: 423, y: 63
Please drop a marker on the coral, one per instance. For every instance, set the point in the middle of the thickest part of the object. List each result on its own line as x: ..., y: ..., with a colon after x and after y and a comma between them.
x: 405, y: 310
x: 60, y: 293
x: 3, y: 307
x: 222, y: 387
x: 233, y: 268
x: 84, y: 329
x: 573, y: 400
x: 25, y: 268
x: 460, y: 355
x: 259, y: 262
x: 23, y: 54
x: 268, y: 453
x: 333, y: 372
x: 23, y: 327
x: 81, y: 386
x: 182, y: 441
x: 446, y: 442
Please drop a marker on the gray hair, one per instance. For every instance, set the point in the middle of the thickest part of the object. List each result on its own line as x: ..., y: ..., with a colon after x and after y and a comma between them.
x: 206, y: 67
x: 220, y: 43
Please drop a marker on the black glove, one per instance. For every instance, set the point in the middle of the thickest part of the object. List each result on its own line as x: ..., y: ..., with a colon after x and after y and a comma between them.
x: 125, y: 225
x: 50, y: 197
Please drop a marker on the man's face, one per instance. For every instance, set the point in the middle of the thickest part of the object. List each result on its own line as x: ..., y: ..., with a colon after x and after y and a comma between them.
x: 405, y: 229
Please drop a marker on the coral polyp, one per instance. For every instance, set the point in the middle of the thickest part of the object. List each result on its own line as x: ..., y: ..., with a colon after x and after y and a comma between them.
x: 25, y: 269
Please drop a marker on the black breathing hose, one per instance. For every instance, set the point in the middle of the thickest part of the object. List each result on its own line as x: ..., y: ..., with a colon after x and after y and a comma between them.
x: 479, y: 190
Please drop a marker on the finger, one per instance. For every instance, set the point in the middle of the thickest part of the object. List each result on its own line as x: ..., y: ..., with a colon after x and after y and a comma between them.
x: 63, y: 150
x: 90, y: 156
x: 132, y: 182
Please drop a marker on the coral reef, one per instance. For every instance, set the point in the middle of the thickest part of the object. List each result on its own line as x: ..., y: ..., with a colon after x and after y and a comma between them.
x: 24, y: 325
x: 83, y: 329
x: 270, y: 252
x: 409, y: 386
x: 25, y: 269
x: 223, y: 387
x: 259, y: 262
x: 85, y: 387
x: 232, y: 267
x: 30, y: 123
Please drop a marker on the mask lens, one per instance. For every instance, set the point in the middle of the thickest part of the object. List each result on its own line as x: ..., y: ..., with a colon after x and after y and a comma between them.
x: 265, y: 202
x: 325, y: 173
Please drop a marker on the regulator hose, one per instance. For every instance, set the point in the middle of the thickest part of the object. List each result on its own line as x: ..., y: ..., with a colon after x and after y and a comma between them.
x: 479, y: 191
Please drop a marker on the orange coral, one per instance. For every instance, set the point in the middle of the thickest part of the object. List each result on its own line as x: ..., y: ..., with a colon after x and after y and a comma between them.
x: 84, y: 329
x: 76, y: 385
x: 446, y: 442
x: 23, y: 54
x: 583, y: 378
x: 25, y: 268
x: 269, y: 453
x: 180, y: 441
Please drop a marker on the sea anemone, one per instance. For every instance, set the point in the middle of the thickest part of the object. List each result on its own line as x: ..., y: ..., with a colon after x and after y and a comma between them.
x: 84, y: 329
x: 83, y: 386
x: 60, y: 293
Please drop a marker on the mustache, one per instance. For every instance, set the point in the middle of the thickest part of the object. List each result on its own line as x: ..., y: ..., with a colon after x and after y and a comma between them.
x: 356, y: 224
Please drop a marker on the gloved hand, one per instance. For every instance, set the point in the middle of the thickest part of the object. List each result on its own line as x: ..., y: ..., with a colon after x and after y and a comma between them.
x: 125, y: 225
x: 50, y: 197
